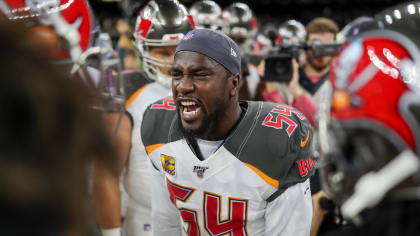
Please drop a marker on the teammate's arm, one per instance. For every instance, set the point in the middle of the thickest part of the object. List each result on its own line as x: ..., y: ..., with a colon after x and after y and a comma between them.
x: 291, y: 212
x: 106, y: 190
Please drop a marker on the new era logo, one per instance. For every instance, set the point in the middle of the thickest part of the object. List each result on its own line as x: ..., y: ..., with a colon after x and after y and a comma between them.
x: 232, y: 52
x: 189, y: 36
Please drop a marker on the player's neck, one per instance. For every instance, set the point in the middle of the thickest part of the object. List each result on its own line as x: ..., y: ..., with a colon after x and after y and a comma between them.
x: 226, y: 123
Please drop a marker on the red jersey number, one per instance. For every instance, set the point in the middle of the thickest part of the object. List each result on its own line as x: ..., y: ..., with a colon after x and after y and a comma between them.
x: 213, y: 224
x: 282, y: 114
x: 168, y: 103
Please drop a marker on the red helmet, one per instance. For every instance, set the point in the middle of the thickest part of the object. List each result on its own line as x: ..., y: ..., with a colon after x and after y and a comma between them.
x: 375, y: 119
x: 67, y: 28
x: 52, y: 21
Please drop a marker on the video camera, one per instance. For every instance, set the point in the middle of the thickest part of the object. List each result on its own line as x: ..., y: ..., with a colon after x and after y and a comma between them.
x: 278, y: 65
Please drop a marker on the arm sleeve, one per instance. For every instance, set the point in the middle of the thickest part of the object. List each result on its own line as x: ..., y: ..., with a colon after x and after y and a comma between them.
x: 307, y: 106
x: 165, y: 216
x: 291, y: 212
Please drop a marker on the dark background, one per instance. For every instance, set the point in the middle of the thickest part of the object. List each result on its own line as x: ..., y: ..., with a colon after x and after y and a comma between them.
x: 267, y: 11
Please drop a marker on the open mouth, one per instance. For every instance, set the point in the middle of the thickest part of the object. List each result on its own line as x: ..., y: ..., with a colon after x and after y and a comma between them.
x: 189, y: 110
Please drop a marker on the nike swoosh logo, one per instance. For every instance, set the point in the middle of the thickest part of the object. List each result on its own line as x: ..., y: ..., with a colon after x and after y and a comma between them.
x: 303, y: 143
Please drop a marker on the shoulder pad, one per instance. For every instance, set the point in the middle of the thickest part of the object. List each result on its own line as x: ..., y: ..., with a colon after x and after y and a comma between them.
x: 158, y: 123
x: 276, y: 140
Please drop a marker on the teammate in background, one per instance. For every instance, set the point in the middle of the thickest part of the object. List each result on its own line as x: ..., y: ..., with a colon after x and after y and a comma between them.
x: 372, y: 147
x: 208, y: 162
x: 242, y: 28
x: 160, y: 26
x: 49, y: 137
x: 208, y: 14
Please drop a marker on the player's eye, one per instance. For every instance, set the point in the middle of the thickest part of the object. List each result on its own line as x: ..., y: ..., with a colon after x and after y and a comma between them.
x: 176, y: 75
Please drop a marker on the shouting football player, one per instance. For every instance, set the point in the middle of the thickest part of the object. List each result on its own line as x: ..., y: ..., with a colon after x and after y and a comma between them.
x: 225, y: 166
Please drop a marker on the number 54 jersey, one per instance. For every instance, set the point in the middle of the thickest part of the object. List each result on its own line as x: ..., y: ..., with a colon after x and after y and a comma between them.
x: 256, y: 183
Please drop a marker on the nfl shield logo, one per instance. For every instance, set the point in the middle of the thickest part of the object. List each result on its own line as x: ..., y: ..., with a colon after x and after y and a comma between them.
x: 200, y: 170
x: 147, y: 227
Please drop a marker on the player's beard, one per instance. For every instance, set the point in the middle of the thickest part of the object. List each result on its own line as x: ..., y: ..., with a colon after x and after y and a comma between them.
x: 205, y: 127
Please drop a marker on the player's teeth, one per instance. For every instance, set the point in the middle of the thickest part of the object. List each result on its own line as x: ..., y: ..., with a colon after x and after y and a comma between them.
x: 188, y: 103
x: 186, y: 112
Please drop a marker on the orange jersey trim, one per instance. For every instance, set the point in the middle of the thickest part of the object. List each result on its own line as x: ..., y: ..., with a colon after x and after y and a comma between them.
x: 134, y: 96
x: 151, y: 148
x: 266, y: 178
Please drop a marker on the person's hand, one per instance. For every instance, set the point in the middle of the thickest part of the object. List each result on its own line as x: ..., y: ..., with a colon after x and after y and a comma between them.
x: 294, y: 86
x: 261, y: 68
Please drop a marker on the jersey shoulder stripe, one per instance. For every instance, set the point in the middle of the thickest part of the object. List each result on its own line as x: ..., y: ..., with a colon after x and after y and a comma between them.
x: 135, y: 95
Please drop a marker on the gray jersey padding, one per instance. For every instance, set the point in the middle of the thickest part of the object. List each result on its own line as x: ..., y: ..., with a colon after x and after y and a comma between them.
x: 271, y: 150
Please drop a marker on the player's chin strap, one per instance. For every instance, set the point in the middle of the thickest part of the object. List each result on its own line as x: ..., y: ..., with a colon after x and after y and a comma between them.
x: 373, y: 186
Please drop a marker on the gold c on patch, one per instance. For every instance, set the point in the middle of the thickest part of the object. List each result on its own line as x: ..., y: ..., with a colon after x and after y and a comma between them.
x: 168, y: 164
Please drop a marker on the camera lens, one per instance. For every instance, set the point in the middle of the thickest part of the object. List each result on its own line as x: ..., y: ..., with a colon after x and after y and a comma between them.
x: 281, y: 68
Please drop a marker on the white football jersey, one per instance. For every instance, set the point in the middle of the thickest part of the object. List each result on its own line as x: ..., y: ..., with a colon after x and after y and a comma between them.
x: 136, y: 196
x: 256, y: 183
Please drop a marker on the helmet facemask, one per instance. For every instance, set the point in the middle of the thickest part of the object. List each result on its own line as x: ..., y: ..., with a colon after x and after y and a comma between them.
x: 156, y: 68
x: 160, y: 24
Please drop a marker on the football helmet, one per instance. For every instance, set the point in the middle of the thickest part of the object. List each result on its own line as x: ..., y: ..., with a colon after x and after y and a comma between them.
x: 403, y: 18
x: 67, y: 29
x: 291, y: 32
x: 358, y: 26
x: 369, y: 139
x: 63, y: 25
x: 208, y: 14
x: 160, y: 23
x: 242, y: 25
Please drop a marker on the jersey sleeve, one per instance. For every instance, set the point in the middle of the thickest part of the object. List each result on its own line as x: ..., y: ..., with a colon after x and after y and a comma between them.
x: 291, y: 212
x: 276, y: 139
x: 165, y: 216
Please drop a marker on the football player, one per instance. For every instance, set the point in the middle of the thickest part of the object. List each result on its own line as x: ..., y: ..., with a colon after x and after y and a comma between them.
x: 49, y: 139
x: 242, y: 28
x: 160, y: 26
x: 227, y: 167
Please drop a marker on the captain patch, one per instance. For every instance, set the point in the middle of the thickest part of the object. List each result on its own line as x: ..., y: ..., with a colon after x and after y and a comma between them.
x: 168, y: 164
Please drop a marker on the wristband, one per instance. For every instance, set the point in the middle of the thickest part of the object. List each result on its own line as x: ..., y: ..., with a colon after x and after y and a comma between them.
x: 111, y: 232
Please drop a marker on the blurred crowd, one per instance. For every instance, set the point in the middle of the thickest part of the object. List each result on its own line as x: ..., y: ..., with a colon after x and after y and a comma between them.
x: 74, y: 94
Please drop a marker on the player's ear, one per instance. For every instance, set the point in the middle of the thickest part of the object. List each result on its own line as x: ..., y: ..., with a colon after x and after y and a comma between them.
x: 234, y: 81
